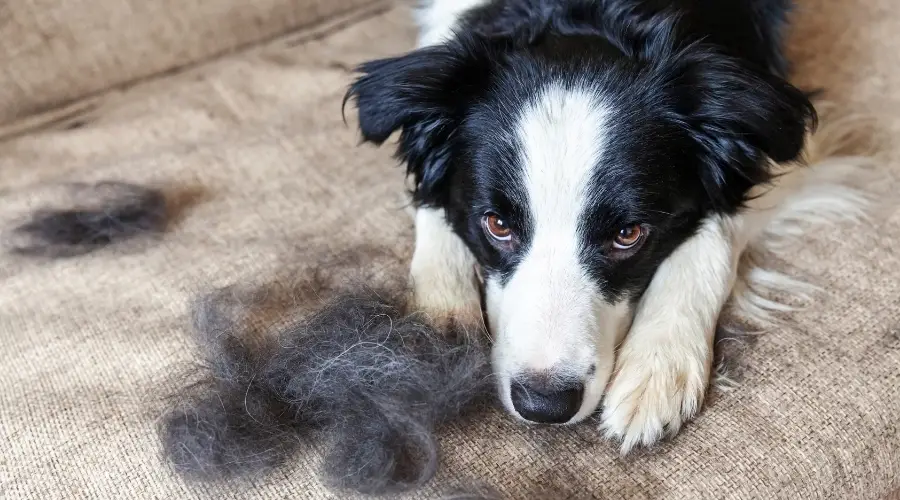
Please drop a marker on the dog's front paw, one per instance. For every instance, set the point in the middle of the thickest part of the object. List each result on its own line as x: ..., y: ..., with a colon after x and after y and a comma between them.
x: 656, y: 387
x: 449, y: 311
x: 443, y: 276
x: 451, y: 301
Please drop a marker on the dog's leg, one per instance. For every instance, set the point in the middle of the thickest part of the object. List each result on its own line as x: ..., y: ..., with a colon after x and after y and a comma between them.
x: 442, y: 274
x: 663, y: 365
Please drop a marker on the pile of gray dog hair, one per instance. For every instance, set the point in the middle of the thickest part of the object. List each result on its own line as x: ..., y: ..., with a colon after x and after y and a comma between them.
x: 371, y: 381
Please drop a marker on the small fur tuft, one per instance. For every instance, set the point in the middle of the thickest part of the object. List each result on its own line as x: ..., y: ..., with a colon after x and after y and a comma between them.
x: 105, y: 213
x: 374, y: 382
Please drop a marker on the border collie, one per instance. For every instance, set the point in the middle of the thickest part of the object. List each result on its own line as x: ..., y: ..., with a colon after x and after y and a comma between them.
x: 591, y: 171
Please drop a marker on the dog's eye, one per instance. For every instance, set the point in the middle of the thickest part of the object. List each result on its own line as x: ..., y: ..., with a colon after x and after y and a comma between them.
x: 496, y: 227
x: 628, y: 237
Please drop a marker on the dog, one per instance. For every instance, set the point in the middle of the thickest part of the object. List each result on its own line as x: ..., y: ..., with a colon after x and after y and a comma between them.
x: 591, y: 172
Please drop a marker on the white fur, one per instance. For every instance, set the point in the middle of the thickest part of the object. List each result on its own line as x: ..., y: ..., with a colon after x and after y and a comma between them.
x: 438, y: 18
x: 442, y: 273
x: 550, y: 316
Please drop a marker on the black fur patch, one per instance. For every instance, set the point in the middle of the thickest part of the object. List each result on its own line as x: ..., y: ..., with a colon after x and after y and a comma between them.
x: 375, y: 383
x: 104, y: 213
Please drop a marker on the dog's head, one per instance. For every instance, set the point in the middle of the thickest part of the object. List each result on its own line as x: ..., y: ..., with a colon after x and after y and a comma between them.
x: 572, y: 165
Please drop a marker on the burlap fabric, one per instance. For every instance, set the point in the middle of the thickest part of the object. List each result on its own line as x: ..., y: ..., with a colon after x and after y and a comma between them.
x: 54, y: 51
x: 270, y: 178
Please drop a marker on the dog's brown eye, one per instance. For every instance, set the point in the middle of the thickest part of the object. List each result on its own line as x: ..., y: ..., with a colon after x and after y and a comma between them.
x: 628, y: 237
x: 497, y: 227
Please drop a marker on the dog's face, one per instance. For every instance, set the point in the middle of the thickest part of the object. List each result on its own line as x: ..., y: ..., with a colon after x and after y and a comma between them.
x: 569, y: 199
x: 571, y: 178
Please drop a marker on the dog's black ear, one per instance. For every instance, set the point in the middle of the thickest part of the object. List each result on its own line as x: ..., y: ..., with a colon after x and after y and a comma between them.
x: 741, y: 118
x: 423, y: 94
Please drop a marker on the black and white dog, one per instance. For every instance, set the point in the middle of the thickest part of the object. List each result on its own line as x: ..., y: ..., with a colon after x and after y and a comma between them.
x: 598, y: 167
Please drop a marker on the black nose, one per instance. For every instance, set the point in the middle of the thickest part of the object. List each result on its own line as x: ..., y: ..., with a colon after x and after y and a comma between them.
x: 546, y: 403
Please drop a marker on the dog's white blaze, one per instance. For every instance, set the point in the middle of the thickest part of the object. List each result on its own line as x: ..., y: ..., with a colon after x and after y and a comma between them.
x: 550, y: 316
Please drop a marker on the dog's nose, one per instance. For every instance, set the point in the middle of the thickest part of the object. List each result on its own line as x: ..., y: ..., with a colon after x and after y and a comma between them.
x: 543, y: 403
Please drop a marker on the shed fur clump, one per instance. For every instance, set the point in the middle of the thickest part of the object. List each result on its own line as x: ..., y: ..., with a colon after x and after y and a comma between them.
x: 374, y: 382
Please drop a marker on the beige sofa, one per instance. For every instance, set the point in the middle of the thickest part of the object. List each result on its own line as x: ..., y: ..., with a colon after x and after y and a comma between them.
x: 235, y: 107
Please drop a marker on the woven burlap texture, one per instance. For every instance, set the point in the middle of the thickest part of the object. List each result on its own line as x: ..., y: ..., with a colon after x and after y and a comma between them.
x: 54, y: 51
x: 274, y: 180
